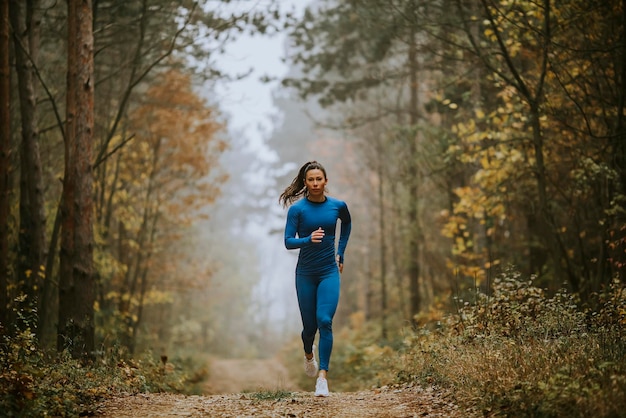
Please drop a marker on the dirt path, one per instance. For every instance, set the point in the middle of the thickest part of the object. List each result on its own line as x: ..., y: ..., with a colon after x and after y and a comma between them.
x: 231, y: 390
x: 241, y: 375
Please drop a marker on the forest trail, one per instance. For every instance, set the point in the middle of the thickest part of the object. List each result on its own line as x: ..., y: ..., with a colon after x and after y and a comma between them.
x: 233, y: 383
x: 247, y: 375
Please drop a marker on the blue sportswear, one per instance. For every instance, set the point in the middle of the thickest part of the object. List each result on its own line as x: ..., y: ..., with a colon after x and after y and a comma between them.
x: 303, y: 218
x: 317, y: 274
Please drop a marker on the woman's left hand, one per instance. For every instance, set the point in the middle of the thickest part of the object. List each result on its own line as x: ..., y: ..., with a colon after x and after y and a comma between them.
x: 339, y: 264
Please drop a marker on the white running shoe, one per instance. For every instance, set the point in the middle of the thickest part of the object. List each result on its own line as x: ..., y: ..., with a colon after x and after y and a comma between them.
x: 321, y: 387
x: 310, y: 366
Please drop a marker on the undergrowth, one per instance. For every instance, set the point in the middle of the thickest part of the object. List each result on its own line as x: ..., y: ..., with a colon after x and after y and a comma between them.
x: 34, y: 385
x: 518, y: 352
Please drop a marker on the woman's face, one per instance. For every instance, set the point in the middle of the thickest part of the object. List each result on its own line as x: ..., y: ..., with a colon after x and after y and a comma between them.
x: 315, y: 181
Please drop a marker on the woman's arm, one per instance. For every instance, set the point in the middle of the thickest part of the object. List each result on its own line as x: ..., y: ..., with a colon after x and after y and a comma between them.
x: 346, y: 227
x: 291, y: 229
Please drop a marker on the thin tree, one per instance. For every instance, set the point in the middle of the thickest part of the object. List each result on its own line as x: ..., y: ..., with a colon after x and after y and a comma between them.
x: 414, y: 215
x: 76, y: 282
x: 5, y: 147
x: 32, y: 225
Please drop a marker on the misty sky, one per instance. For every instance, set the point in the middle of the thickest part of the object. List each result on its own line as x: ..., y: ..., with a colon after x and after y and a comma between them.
x: 252, y: 116
x: 248, y: 102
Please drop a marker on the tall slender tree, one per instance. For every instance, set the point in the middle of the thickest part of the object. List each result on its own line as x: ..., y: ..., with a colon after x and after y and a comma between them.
x: 76, y: 282
x: 415, y: 235
x: 32, y: 230
x: 5, y: 149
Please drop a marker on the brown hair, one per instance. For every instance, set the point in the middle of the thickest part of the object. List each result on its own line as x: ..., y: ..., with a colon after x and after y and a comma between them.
x: 297, y: 187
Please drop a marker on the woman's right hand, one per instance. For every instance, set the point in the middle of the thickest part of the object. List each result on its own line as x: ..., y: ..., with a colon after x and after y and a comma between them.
x: 317, y: 235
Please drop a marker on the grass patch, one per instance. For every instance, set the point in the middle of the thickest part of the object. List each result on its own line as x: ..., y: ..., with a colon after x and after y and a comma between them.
x: 271, y: 395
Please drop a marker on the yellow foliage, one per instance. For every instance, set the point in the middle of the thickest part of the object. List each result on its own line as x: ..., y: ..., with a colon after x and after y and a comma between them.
x: 157, y: 297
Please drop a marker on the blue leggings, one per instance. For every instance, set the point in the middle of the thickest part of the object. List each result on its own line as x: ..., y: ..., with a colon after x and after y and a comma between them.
x: 318, y: 296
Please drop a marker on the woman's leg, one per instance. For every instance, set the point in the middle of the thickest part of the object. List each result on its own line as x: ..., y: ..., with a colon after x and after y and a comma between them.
x: 327, y: 300
x: 306, y: 290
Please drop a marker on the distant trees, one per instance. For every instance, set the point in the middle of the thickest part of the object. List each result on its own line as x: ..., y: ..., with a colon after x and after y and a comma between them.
x: 162, y: 184
x: 500, y: 122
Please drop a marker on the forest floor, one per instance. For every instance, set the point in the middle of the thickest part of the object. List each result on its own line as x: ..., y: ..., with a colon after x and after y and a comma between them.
x: 233, y: 387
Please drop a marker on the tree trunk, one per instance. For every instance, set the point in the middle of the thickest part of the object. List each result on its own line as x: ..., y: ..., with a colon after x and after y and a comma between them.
x: 144, y: 283
x: 5, y: 158
x: 76, y: 284
x: 546, y: 229
x: 414, y: 250
x: 618, y: 255
x: 396, y: 214
x: 382, y: 248
x: 32, y: 229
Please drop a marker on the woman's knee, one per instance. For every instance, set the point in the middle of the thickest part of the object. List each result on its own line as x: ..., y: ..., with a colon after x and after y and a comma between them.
x: 325, y: 322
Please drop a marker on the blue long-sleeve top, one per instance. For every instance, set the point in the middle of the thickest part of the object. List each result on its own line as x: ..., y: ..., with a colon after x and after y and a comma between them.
x: 304, y: 217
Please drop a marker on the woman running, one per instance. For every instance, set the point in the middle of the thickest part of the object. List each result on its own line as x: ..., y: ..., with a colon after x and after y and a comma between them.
x: 311, y: 224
